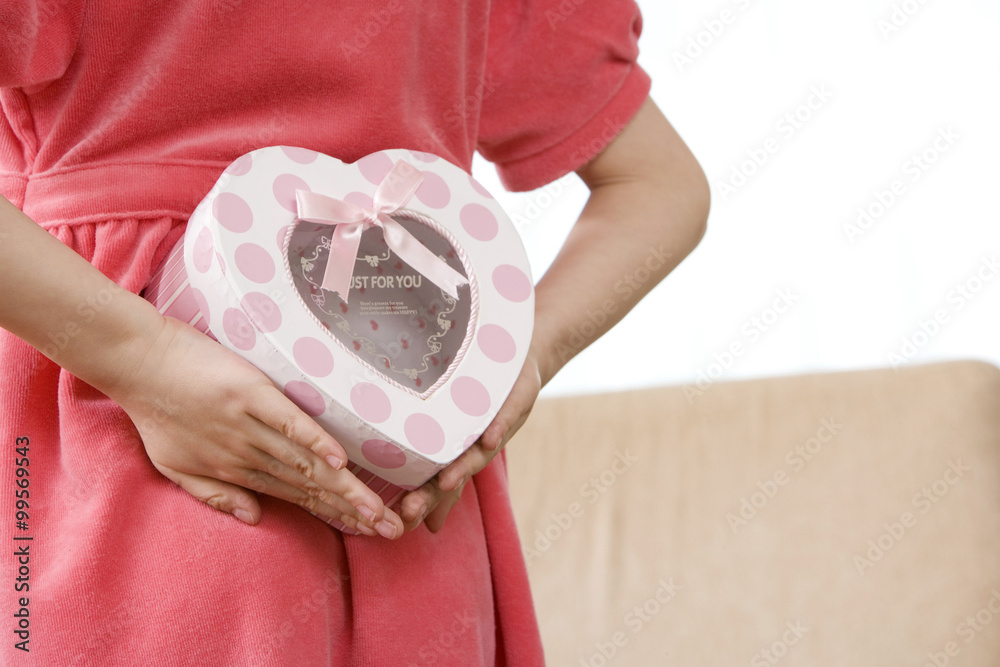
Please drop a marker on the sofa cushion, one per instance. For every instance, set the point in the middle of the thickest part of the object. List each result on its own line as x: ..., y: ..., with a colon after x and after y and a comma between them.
x: 828, y: 519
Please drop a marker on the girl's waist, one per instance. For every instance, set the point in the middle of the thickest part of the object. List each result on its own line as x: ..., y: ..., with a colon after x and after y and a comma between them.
x: 101, y: 192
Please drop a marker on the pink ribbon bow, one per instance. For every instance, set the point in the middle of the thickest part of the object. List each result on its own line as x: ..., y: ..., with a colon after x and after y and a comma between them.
x: 350, y: 221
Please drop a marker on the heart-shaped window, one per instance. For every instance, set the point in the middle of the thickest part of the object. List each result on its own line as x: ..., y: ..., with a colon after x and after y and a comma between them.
x: 395, y: 320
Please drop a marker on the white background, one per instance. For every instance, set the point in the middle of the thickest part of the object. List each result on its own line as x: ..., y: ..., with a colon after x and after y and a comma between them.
x: 856, y: 297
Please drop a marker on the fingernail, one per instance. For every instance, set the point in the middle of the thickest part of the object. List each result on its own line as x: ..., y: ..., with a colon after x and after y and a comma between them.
x: 364, y: 509
x: 334, y: 461
x: 243, y: 516
x: 386, y: 529
x: 367, y: 530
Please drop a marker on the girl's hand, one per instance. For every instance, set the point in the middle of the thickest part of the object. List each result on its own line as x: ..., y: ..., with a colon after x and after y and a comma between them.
x: 433, y: 501
x: 215, y: 425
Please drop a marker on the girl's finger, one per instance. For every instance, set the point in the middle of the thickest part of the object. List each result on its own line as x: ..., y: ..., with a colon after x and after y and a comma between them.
x: 390, y: 527
x: 223, y: 496
x: 273, y: 408
x: 435, y: 519
x: 301, y: 469
x: 471, y: 461
x: 418, y: 503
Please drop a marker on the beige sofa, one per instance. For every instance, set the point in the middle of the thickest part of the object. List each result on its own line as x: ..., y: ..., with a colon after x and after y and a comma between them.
x: 829, y: 519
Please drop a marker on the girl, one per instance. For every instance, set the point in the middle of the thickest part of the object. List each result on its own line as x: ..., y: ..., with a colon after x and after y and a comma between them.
x: 117, y: 118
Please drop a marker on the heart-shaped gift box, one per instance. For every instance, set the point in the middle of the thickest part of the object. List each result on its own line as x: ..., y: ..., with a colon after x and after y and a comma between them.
x: 390, y: 298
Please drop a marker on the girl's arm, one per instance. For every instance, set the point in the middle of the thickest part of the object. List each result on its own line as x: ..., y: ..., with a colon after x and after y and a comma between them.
x: 209, y: 420
x: 647, y: 210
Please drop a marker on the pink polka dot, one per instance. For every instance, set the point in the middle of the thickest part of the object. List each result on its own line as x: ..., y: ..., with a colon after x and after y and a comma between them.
x: 284, y: 190
x: 478, y: 187
x: 262, y: 310
x: 370, y: 402
x: 479, y: 222
x: 199, y: 299
x: 470, y: 441
x: 313, y: 356
x: 306, y: 397
x: 383, y: 454
x: 203, y: 251
x: 254, y: 262
x: 470, y: 396
x: 511, y: 282
x: 232, y: 212
x: 496, y: 343
x: 359, y: 199
x: 374, y: 167
x: 433, y: 191
x: 240, y: 165
x: 300, y: 155
x: 424, y: 433
x: 281, y: 236
x: 238, y: 329
x: 424, y: 157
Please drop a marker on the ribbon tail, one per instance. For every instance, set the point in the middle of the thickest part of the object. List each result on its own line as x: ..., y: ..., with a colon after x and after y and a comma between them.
x: 340, y: 264
x: 414, y: 253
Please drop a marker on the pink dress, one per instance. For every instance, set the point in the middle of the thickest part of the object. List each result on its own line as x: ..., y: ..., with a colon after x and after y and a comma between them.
x: 116, y: 119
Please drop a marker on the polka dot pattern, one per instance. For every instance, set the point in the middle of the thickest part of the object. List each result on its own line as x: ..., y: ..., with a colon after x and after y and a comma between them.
x: 280, y: 238
x: 241, y: 165
x: 496, y: 343
x: 254, y: 262
x: 203, y: 251
x: 284, y: 190
x: 359, y: 199
x: 306, y: 396
x: 424, y: 433
x: 232, y: 212
x: 262, y: 310
x: 433, y: 191
x: 470, y: 396
x: 478, y: 187
x: 383, y: 454
x: 511, y: 283
x: 238, y: 329
x: 246, y: 224
x: 313, y: 356
x: 374, y: 167
x: 479, y: 222
x: 370, y: 402
x: 300, y: 155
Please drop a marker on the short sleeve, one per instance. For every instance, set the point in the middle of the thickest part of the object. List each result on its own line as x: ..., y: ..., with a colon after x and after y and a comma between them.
x: 561, y: 82
x: 37, y: 39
